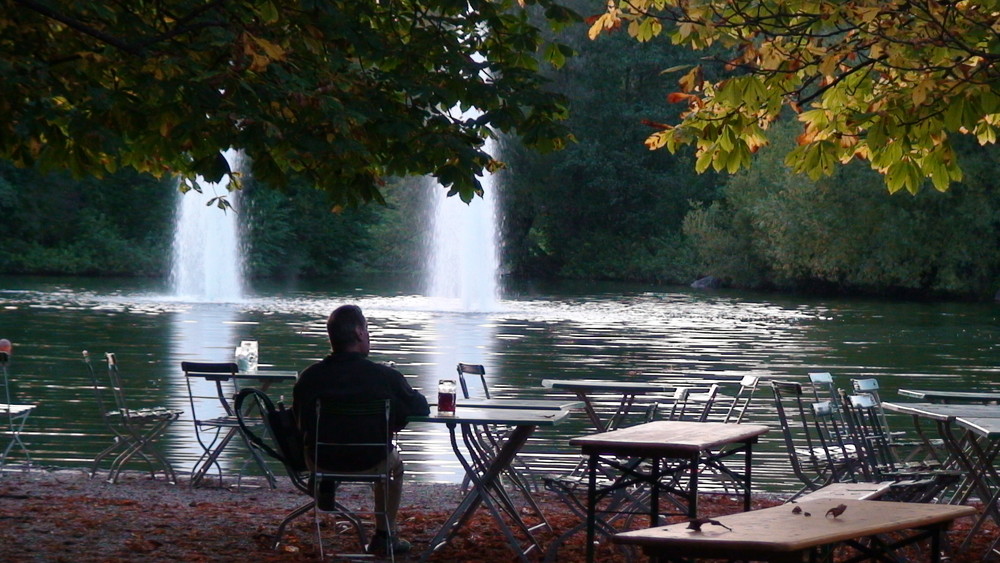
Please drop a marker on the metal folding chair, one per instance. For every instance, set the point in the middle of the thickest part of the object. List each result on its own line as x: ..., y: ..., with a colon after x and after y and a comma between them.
x: 280, y: 438
x: 211, y: 386
x: 817, y: 445
x: 923, y: 451
x: 687, y: 403
x: 335, y: 448
x: 879, y: 462
x: 134, y: 431
x: 473, y: 369
x: 16, y: 415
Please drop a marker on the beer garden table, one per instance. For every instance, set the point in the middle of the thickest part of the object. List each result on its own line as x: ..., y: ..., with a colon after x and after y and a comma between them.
x: 485, y: 471
x: 946, y: 397
x: 974, y: 452
x: 264, y: 378
x: 786, y: 534
x: 586, y: 389
x: 688, y: 444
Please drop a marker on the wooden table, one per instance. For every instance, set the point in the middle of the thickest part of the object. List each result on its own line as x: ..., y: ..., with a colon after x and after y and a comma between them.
x: 779, y: 534
x: 485, y: 471
x: 974, y: 451
x: 585, y: 389
x: 690, y: 446
x: 931, y: 396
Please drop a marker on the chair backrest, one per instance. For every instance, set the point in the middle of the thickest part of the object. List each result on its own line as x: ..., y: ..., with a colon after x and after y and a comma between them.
x: 741, y: 401
x: 813, y: 437
x: 115, y: 383
x: 869, y: 386
x: 869, y: 435
x: 472, y: 369
x: 102, y: 391
x: 215, y: 372
x: 687, y: 403
x: 8, y: 396
x: 350, y: 436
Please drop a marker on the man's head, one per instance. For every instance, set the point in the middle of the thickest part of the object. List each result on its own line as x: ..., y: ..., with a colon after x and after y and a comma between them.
x: 348, y: 330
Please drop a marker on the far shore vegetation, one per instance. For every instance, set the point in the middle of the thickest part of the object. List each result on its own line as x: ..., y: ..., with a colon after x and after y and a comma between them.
x: 605, y: 207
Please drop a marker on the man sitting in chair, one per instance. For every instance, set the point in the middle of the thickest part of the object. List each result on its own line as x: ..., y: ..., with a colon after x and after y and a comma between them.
x: 348, y: 374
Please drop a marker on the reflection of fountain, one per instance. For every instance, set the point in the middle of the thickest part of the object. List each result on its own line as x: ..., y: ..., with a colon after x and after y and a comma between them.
x: 464, y: 260
x: 205, y: 332
x: 207, y: 258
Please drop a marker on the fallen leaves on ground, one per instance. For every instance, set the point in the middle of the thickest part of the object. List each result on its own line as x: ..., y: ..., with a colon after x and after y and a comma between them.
x: 85, y: 527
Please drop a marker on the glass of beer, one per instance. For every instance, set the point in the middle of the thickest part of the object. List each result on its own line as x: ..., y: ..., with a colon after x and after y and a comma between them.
x: 446, y: 396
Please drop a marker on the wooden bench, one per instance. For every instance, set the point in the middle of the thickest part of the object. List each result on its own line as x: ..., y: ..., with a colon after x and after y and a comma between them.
x: 855, y: 491
x: 785, y: 533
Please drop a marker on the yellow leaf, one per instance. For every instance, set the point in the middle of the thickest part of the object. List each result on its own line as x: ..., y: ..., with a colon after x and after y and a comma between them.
x: 273, y: 51
x: 656, y: 140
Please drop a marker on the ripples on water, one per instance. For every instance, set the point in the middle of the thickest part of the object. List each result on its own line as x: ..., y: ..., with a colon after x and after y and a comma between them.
x: 602, y: 332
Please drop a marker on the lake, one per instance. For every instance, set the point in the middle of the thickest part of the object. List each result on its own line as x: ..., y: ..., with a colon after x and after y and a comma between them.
x: 538, y: 331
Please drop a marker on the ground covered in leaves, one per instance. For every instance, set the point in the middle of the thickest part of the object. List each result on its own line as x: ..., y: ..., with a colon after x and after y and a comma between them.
x: 66, y: 516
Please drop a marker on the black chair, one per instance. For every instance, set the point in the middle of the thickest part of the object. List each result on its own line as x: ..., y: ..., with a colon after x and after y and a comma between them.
x: 473, y: 369
x: 16, y: 414
x: 211, y: 386
x: 134, y: 431
x: 819, y: 448
x: 339, y: 457
x: 280, y: 438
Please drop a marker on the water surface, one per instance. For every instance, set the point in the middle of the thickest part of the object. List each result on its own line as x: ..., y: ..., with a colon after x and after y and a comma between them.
x: 601, y: 331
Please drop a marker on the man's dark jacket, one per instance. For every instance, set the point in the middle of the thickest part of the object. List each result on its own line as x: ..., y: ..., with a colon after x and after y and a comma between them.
x: 351, y: 377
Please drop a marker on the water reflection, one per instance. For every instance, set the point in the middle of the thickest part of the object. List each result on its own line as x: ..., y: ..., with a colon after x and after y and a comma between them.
x: 200, y: 332
x: 597, y: 331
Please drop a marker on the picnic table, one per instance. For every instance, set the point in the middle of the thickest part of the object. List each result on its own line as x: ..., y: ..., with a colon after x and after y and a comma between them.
x: 785, y: 533
x: 975, y: 450
x: 485, y: 469
x: 674, y: 450
x: 945, y: 397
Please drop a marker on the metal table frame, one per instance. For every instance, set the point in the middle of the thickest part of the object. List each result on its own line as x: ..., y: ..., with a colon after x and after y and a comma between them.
x: 485, y: 471
x: 974, y: 451
x: 585, y: 388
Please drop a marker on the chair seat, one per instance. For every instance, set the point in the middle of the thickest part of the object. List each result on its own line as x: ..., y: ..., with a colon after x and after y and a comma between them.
x: 151, y: 413
x: 836, y: 453
x: 222, y: 421
x: 16, y: 410
x: 155, y: 413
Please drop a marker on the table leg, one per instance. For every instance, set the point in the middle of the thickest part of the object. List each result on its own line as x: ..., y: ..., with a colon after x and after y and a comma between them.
x: 485, y: 475
x: 591, y: 505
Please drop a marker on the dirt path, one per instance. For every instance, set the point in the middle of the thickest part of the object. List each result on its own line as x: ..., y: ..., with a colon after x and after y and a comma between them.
x: 66, y: 516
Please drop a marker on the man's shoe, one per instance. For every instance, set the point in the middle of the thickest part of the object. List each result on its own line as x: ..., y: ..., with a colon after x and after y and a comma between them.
x: 380, y: 545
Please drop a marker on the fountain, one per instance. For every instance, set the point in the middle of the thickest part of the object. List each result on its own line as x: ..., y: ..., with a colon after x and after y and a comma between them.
x: 463, y: 277
x: 464, y: 248
x: 207, y: 264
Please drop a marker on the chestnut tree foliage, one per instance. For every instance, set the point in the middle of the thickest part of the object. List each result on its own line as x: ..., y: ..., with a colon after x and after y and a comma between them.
x: 342, y: 93
x: 889, y: 82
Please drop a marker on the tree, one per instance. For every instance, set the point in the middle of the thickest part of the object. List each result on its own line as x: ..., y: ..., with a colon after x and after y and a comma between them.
x: 340, y: 92
x: 776, y: 229
x: 887, y: 81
